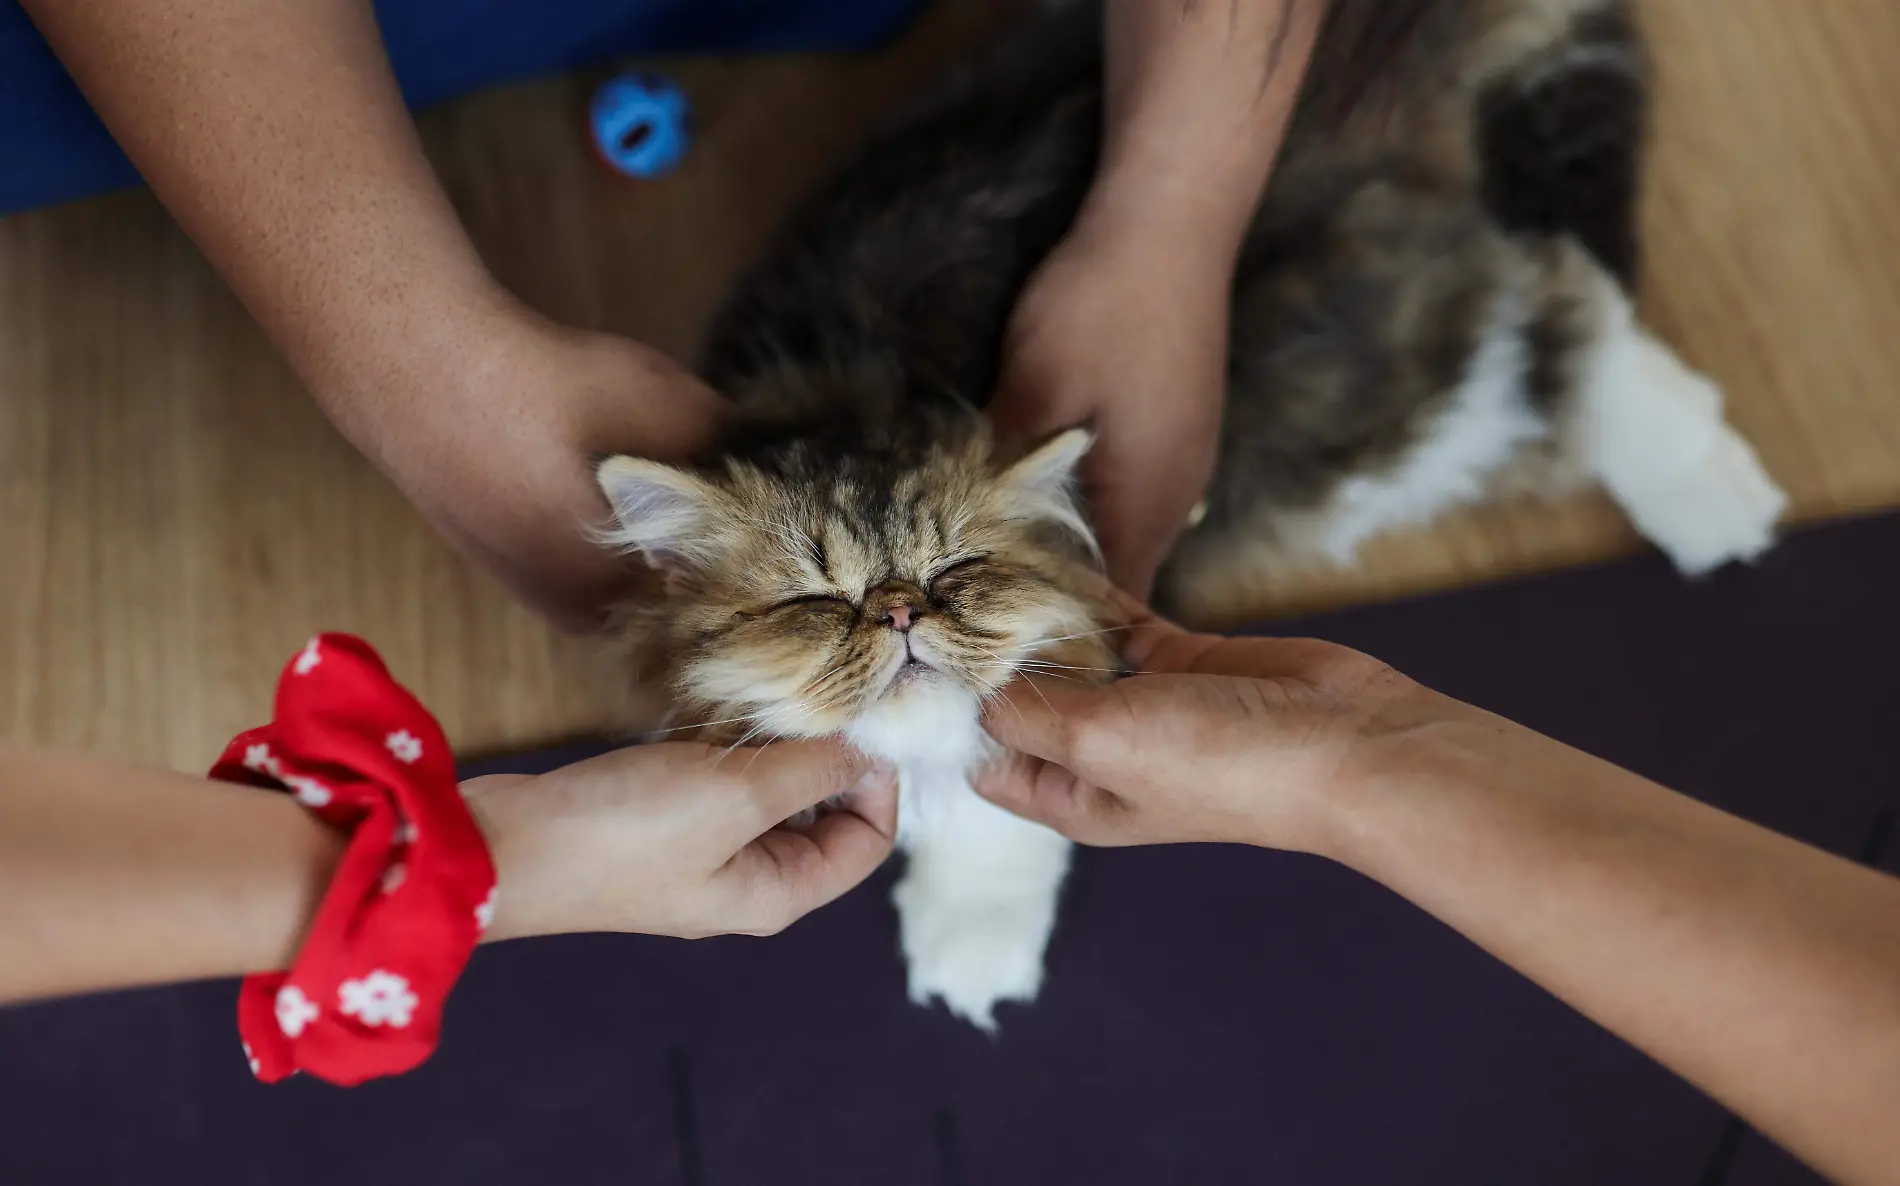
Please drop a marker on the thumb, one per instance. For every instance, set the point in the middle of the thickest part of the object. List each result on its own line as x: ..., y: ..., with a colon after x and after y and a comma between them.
x: 786, y: 777
x: 1043, y: 722
x: 788, y: 872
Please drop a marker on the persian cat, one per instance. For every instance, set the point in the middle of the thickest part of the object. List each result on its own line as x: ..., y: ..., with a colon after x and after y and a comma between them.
x: 1431, y: 306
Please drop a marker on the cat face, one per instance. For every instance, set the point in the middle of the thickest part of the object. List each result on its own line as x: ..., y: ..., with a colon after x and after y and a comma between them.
x: 810, y: 591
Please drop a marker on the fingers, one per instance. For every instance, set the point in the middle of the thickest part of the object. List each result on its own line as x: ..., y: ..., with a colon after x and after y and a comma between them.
x: 1305, y: 660
x: 1154, y: 644
x: 1053, y: 796
x: 1040, y: 721
x: 787, y: 873
x: 1138, y: 510
x: 1147, y: 632
x: 786, y: 777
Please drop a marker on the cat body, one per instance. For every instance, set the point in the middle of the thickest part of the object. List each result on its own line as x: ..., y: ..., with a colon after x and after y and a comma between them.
x: 1430, y: 308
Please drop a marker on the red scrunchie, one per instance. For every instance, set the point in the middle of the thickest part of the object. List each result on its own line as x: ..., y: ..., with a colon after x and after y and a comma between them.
x: 412, y: 895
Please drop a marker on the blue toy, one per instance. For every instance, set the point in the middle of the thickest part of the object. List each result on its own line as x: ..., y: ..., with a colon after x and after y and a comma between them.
x: 640, y: 124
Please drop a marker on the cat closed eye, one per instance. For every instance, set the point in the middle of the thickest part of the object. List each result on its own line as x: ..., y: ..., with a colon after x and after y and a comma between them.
x: 812, y: 599
x: 958, y: 568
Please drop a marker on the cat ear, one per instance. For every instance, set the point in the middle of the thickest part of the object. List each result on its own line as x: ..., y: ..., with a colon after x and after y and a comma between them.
x: 1042, y: 483
x: 1049, y: 468
x: 659, y: 511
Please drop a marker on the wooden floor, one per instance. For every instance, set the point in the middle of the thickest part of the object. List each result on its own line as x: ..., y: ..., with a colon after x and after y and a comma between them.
x: 175, y: 518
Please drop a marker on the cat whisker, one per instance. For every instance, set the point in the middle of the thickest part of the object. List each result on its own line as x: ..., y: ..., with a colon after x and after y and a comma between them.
x: 1039, y: 692
x: 1023, y: 646
x: 764, y: 722
x: 998, y: 695
x: 819, y: 685
x: 701, y: 725
x: 756, y: 753
x: 748, y: 735
x: 1047, y: 665
x: 1057, y: 675
x: 1039, y: 667
x: 797, y: 714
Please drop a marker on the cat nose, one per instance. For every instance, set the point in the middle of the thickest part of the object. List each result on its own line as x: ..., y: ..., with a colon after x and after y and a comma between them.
x: 899, y: 617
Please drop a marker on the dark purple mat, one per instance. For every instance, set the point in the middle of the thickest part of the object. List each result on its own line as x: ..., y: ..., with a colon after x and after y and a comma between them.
x: 1212, y: 1015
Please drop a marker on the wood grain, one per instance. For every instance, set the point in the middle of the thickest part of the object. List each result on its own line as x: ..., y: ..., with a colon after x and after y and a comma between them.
x: 175, y: 517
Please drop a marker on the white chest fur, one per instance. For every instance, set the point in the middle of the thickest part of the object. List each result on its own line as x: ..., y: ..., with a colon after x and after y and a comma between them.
x: 978, y: 902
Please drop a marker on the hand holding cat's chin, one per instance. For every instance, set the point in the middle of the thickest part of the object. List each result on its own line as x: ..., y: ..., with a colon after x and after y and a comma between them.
x: 682, y: 839
x: 1262, y: 741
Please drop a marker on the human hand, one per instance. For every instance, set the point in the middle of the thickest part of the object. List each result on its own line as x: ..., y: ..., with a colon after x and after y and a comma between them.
x: 1247, y: 740
x: 1125, y: 328
x: 342, y: 243
x: 683, y: 839
x: 495, y: 448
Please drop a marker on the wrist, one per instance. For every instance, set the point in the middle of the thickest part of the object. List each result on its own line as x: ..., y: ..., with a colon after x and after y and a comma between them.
x: 1196, y: 105
x: 428, y: 359
x: 524, y: 905
x: 1191, y: 233
x: 1416, y: 751
x: 487, y: 428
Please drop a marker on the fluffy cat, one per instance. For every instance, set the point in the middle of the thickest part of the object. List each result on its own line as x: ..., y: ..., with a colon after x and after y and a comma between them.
x: 1430, y: 307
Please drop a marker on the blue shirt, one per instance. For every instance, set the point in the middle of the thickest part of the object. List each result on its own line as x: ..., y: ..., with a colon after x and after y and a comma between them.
x: 53, y: 148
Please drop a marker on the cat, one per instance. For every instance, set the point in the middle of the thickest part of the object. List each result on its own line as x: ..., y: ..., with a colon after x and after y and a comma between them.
x: 1431, y: 307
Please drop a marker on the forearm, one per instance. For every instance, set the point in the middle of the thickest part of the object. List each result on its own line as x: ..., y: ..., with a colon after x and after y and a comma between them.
x: 1199, y: 96
x: 112, y: 876
x: 117, y: 876
x: 277, y: 137
x: 1764, y: 971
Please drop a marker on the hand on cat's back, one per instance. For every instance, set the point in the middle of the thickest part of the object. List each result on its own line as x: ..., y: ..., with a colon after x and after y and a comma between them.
x: 1125, y: 330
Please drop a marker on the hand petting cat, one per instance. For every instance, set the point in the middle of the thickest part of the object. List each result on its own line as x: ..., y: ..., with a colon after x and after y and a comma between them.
x: 1214, y: 740
x: 684, y: 839
x: 1125, y: 332
x: 343, y: 244
x: 1125, y: 325
x: 499, y: 458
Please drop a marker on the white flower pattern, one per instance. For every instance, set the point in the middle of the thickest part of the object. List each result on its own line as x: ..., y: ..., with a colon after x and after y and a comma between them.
x: 485, y: 913
x: 404, y: 745
x: 380, y: 998
x: 294, y: 1010
x: 256, y: 1066
x: 307, y: 659
x: 310, y: 792
x: 259, y: 758
x: 394, y: 876
x: 406, y: 833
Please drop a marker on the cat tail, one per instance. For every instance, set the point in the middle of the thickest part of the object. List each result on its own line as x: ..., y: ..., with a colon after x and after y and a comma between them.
x: 1560, y: 138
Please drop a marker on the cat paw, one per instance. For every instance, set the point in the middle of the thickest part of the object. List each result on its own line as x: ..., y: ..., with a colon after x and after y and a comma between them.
x: 972, y: 956
x: 1722, y: 509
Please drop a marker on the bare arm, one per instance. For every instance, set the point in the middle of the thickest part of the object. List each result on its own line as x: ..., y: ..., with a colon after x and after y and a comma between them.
x: 1198, y: 99
x: 1126, y: 324
x: 111, y: 876
x: 276, y: 135
x: 1762, y: 970
x: 115, y: 876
